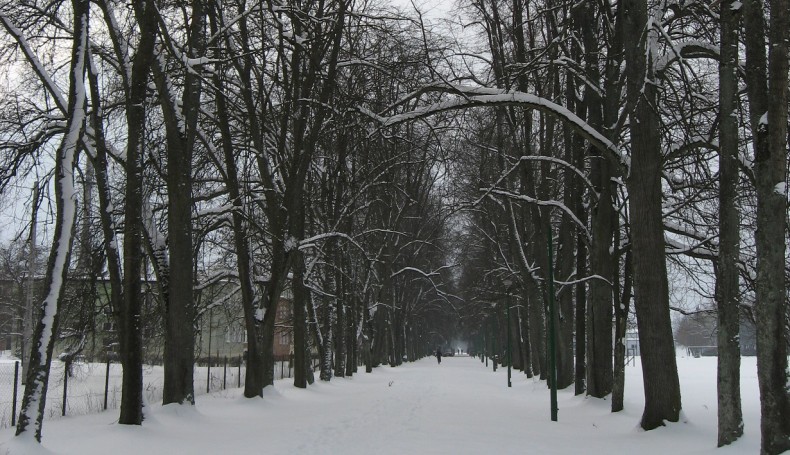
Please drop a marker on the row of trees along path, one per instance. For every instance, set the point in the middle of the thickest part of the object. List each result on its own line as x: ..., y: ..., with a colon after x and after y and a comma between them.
x: 401, y: 182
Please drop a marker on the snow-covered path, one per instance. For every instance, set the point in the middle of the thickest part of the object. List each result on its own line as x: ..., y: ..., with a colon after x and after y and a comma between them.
x: 458, y: 407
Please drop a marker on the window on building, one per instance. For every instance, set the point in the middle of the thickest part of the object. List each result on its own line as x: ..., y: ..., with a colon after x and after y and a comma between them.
x: 236, y: 334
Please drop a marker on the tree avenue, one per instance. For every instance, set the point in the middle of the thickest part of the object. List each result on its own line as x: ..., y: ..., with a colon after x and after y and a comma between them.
x: 363, y: 185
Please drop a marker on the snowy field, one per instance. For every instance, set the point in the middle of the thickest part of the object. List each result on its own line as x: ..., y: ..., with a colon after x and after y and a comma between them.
x: 85, y: 389
x: 458, y: 407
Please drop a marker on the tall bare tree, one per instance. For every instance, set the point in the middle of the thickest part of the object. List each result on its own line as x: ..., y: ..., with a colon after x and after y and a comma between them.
x: 766, y: 84
x: 662, y: 388
x: 727, y: 283
x: 130, y: 333
x: 44, y: 335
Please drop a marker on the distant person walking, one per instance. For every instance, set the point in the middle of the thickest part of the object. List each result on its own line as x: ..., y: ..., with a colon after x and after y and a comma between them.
x: 439, y: 356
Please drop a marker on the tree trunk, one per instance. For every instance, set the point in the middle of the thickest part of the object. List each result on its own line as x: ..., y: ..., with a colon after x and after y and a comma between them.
x: 566, y: 271
x: 45, y: 332
x: 367, y: 338
x: 340, y: 320
x: 659, y: 368
x: 580, y: 380
x: 526, y: 345
x: 566, y: 260
x: 537, y: 332
x: 517, y: 345
x: 769, y: 128
x: 620, y: 328
x: 326, y: 351
x: 108, y: 224
x: 130, y: 336
x: 598, y: 342
x: 253, y: 384
x: 300, y: 297
x: 280, y: 266
x: 179, y: 357
x: 599, y: 302
x: 351, y: 337
x: 727, y: 285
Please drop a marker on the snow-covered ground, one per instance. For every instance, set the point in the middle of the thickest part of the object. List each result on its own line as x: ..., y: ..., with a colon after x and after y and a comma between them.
x: 85, y: 389
x: 458, y: 407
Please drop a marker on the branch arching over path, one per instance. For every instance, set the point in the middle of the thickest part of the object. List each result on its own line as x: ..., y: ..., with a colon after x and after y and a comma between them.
x: 469, y: 97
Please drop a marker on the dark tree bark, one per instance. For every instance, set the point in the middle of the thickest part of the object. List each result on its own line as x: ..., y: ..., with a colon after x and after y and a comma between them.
x: 130, y: 336
x: 610, y: 114
x: 108, y: 225
x: 537, y: 332
x: 621, y: 311
x: 240, y: 234
x: 367, y: 337
x: 566, y: 267
x: 662, y: 388
x: 580, y: 376
x: 766, y: 83
x: 727, y: 283
x: 584, y: 21
x: 351, y: 336
x: 599, y: 309
x: 599, y: 301
x: 181, y: 130
x: 340, y: 314
x: 328, y: 342
x: 313, y: 71
x: 301, y: 295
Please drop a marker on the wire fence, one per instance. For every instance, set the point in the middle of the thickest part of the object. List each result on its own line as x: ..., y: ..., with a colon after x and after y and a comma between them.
x: 91, y: 388
x: 10, y: 392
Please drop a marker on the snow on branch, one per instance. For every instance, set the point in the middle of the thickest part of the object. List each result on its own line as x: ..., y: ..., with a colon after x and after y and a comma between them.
x: 216, y: 277
x: 468, y: 97
x: 429, y: 277
x: 695, y: 250
x: 548, y: 203
x: 49, y: 84
x: 310, y: 242
x: 579, y: 72
x: 34, y: 61
x: 690, y: 49
x: 416, y: 270
x: 687, y: 231
x: 550, y: 159
x: 220, y: 301
x: 583, y: 280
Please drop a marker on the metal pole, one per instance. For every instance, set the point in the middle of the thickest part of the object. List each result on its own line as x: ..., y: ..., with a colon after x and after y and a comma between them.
x: 106, y: 382
x: 66, y: 369
x: 485, y: 342
x: 495, y: 331
x: 208, y: 370
x: 16, y: 388
x: 509, y: 347
x: 552, y: 330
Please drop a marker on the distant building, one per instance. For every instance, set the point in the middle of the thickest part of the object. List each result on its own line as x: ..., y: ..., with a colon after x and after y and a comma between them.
x: 698, y: 332
x: 220, y: 330
x: 222, y: 333
x: 632, y: 343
